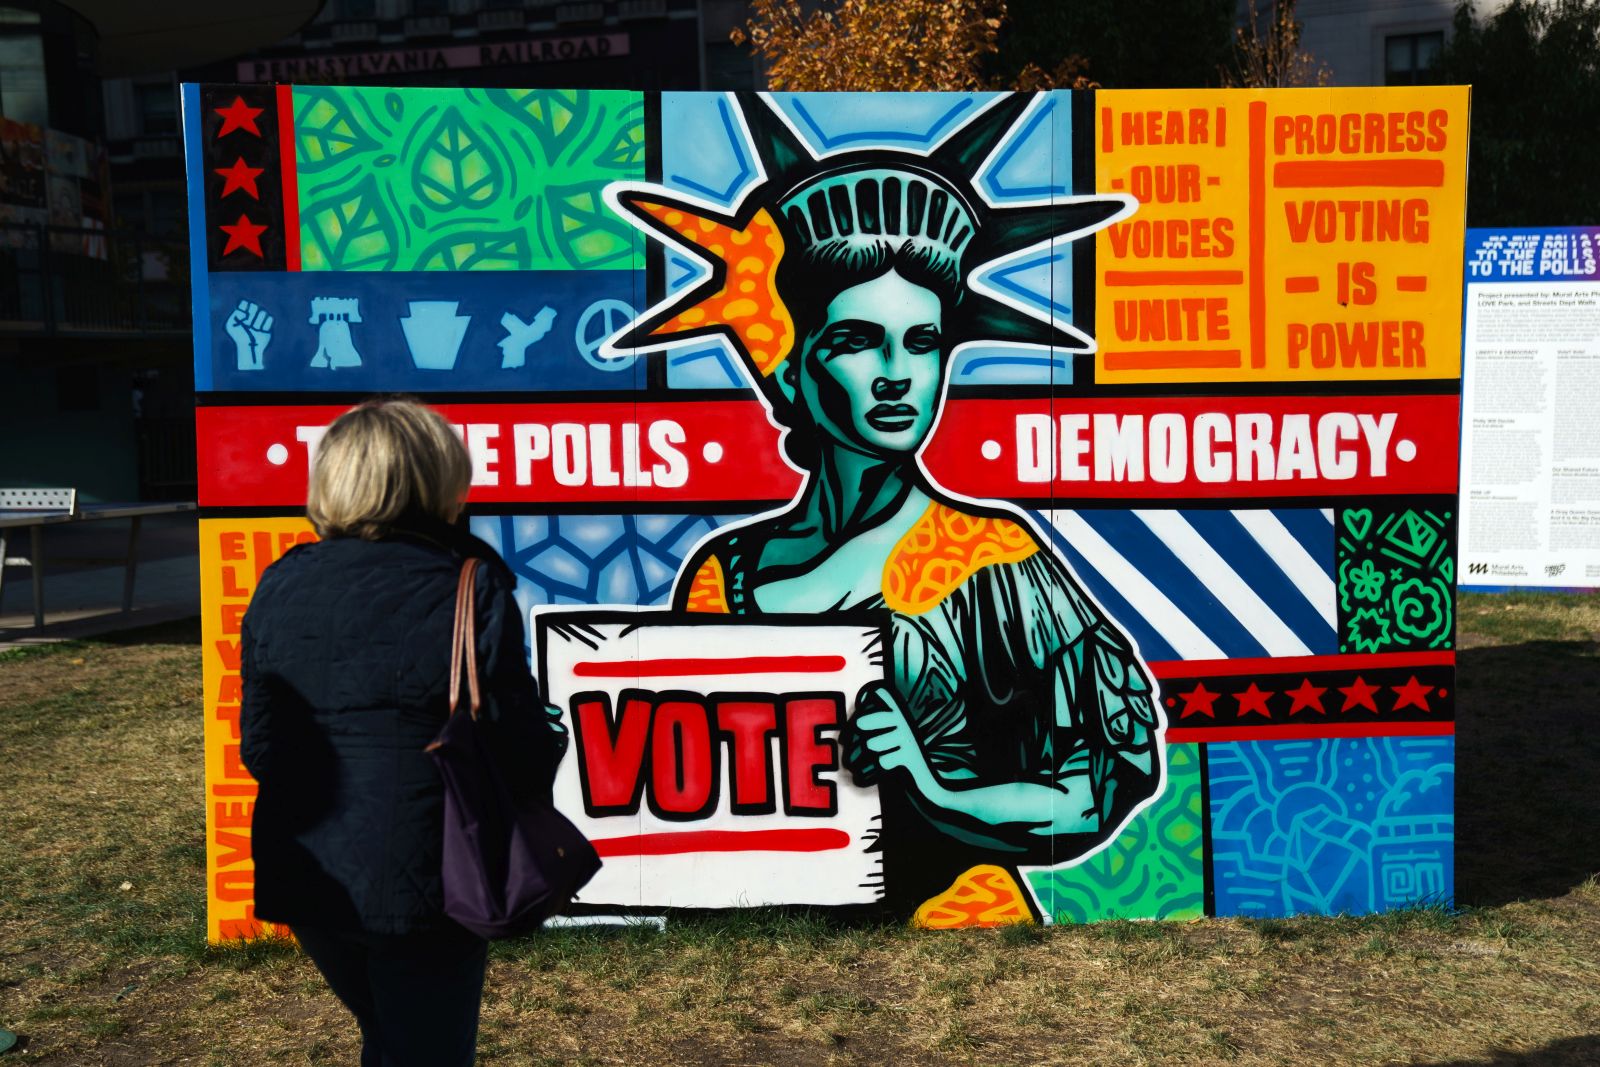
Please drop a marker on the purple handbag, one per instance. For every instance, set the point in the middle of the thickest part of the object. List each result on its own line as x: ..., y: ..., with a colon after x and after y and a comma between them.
x: 511, y: 860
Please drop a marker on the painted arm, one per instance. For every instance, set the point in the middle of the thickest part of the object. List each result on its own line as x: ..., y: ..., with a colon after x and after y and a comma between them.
x: 1015, y: 813
x: 1092, y: 757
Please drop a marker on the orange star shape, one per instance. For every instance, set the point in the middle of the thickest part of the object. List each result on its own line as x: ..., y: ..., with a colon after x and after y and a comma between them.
x: 1253, y: 701
x: 240, y: 176
x: 243, y: 234
x: 1306, y: 696
x: 238, y: 116
x: 1412, y: 695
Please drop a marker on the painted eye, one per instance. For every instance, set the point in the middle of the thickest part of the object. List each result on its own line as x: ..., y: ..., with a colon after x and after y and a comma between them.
x: 847, y: 339
x: 922, y: 339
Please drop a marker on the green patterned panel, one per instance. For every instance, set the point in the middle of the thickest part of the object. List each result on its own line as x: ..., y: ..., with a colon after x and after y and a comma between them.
x: 1396, y: 579
x: 1154, y: 870
x: 465, y: 179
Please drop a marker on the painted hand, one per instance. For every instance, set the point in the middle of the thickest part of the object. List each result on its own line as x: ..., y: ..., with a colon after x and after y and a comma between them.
x: 558, y: 730
x: 881, y: 740
x: 250, y: 328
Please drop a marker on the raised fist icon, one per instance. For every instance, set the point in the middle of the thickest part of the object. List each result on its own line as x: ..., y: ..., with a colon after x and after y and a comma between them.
x: 250, y: 327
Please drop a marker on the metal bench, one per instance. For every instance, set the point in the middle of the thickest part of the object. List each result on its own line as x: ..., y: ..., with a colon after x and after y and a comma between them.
x: 34, y: 509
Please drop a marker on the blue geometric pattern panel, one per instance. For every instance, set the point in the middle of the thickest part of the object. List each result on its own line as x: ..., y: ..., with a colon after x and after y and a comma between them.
x: 1331, y: 826
x: 629, y: 560
x: 1207, y: 583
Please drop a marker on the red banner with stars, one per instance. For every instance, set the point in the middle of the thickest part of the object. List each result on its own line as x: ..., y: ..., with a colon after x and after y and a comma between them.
x: 250, y: 208
x: 1289, y: 698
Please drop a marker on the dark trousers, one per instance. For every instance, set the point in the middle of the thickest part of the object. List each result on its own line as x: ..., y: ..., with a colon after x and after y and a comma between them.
x: 416, y: 996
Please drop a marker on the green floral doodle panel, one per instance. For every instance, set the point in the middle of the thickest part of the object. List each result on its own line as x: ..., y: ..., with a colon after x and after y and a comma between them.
x: 1396, y: 579
x: 1154, y: 870
x: 465, y: 179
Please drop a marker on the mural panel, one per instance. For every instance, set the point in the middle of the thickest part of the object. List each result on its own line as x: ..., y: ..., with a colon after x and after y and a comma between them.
x: 988, y: 507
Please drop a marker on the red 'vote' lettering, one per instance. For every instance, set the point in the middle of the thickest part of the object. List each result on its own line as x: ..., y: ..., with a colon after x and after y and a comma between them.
x: 808, y: 753
x: 611, y: 761
x: 683, y: 783
x: 748, y: 725
x: 680, y: 736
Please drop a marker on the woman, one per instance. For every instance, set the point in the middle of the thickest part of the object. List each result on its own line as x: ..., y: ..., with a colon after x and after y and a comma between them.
x: 1018, y: 725
x: 345, y: 663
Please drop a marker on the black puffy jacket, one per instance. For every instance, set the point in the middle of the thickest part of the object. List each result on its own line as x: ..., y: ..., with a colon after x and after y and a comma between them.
x: 345, y: 657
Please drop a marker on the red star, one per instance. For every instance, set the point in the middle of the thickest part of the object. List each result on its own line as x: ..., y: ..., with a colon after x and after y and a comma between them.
x: 1359, y: 694
x: 243, y: 234
x: 1253, y: 700
x: 238, y: 116
x: 240, y: 176
x: 1307, y: 696
x: 1412, y: 695
x: 1198, y: 701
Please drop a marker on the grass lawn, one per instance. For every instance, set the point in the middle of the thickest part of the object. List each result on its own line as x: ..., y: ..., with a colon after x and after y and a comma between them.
x: 103, y: 960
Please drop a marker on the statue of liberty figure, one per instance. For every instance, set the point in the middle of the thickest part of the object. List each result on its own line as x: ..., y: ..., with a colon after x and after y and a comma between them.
x: 1018, y: 726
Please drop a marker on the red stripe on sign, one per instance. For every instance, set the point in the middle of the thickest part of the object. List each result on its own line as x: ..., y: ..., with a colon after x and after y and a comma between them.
x: 1301, y: 283
x: 686, y: 668
x: 1215, y: 668
x: 687, y: 841
x: 1258, y: 234
x: 1173, y: 360
x: 1373, y: 173
x: 1309, y: 731
x: 1173, y: 277
x: 286, y: 168
x: 1411, y: 283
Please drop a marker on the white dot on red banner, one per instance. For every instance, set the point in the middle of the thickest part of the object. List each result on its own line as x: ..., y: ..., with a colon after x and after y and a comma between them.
x: 990, y: 450
x: 712, y: 451
x: 1406, y: 450
x: 277, y: 455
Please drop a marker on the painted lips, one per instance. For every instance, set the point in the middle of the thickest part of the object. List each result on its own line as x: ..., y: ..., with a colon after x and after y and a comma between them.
x: 892, y: 418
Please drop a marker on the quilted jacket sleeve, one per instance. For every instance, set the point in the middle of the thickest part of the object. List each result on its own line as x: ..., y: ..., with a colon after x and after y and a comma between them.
x: 511, y: 699
x: 255, y: 708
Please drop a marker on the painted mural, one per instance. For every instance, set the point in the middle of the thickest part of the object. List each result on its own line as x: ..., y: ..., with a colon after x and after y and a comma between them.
x: 985, y: 507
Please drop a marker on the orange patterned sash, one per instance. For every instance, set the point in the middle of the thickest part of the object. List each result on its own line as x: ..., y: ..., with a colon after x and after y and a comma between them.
x: 943, y: 549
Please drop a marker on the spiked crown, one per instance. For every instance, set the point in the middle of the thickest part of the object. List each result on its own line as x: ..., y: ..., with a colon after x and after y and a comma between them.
x: 872, y: 203
x: 856, y: 199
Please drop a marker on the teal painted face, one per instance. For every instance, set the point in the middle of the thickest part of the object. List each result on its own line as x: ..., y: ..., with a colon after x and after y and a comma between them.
x: 871, y: 374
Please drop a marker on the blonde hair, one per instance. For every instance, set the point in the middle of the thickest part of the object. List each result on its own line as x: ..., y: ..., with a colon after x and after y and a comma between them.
x: 380, y: 461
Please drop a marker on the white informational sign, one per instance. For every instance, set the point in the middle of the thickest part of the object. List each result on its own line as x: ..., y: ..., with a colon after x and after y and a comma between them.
x: 1530, y: 433
x: 704, y: 760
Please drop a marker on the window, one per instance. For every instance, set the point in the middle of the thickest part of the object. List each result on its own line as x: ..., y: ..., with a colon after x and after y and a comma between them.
x: 158, y: 108
x: 1407, y: 56
x: 358, y: 9
x: 430, y: 7
x: 22, y: 85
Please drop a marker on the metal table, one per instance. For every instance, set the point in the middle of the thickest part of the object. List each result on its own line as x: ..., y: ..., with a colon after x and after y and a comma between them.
x: 60, y: 507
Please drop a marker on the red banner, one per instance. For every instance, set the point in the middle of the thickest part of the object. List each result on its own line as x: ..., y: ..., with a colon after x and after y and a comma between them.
x: 663, y: 453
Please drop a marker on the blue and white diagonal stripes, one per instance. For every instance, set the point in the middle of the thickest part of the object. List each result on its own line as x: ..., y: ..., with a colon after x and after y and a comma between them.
x: 1208, y: 584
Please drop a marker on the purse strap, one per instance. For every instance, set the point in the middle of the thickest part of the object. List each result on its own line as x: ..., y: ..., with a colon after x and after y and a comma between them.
x: 464, y: 639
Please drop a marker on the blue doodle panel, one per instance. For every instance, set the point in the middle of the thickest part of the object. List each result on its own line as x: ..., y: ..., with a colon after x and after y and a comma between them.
x: 1332, y: 826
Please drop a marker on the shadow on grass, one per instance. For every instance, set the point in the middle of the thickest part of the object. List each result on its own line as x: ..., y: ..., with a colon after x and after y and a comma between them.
x: 176, y: 632
x: 1528, y: 773
x: 173, y: 632
x: 1568, y: 1052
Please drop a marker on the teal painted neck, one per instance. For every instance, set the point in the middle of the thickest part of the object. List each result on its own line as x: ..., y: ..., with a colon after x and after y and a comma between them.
x: 852, y: 491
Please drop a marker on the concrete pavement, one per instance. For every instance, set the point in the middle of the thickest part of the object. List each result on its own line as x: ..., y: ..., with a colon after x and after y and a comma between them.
x: 84, y: 600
